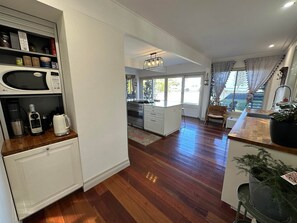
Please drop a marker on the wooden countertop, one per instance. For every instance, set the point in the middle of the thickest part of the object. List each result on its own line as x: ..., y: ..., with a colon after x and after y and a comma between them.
x: 256, y: 131
x: 28, y: 142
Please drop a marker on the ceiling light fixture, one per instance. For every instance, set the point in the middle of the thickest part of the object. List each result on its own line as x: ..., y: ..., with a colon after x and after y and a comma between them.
x: 271, y: 45
x: 289, y: 4
x: 153, y: 62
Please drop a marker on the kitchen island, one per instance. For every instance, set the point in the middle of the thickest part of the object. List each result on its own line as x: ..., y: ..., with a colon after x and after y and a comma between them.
x: 250, y: 132
x: 163, y: 117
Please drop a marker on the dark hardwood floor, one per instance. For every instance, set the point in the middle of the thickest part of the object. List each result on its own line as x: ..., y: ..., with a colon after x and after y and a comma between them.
x: 176, y: 179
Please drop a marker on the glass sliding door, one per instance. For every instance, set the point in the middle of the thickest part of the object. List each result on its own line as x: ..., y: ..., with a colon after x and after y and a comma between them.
x: 235, y: 92
x: 174, y: 89
x: 192, y: 89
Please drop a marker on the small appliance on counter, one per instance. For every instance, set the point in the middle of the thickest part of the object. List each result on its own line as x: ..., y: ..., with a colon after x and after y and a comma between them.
x: 15, y: 119
x: 45, y: 122
x: 61, y: 124
x: 34, y: 120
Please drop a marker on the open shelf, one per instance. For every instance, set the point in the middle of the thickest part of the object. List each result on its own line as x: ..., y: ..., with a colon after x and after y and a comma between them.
x: 23, y: 52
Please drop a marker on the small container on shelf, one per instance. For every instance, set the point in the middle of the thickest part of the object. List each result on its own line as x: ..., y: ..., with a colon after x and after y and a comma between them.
x: 45, y: 62
x: 4, y: 40
x: 27, y: 61
x: 35, y: 62
x: 55, y: 65
x: 19, y: 61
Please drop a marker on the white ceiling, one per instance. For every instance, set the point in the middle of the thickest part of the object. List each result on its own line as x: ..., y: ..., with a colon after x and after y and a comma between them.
x: 140, y: 51
x: 220, y: 28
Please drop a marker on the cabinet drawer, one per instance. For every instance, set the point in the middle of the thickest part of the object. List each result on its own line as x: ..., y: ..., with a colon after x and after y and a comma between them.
x: 154, y: 116
x: 154, y: 126
x: 153, y: 119
x: 153, y: 109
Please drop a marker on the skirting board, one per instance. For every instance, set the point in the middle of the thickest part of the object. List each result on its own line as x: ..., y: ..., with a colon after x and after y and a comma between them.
x: 104, y: 175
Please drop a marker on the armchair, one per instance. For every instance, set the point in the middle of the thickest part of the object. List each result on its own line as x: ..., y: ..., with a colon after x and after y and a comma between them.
x: 216, y: 112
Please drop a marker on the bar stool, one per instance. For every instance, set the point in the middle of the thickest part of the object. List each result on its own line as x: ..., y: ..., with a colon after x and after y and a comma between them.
x: 243, y: 194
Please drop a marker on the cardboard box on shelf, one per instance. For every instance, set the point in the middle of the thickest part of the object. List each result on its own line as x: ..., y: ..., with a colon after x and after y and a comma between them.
x: 27, y: 61
x: 35, y: 62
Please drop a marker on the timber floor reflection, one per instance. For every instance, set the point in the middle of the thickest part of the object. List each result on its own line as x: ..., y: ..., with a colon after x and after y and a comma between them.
x: 176, y: 179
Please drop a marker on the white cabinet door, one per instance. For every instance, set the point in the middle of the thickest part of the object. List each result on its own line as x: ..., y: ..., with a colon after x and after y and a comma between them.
x: 41, y: 176
x: 172, y: 119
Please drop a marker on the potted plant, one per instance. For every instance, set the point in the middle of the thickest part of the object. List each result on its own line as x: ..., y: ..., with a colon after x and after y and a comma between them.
x: 269, y: 192
x: 283, y: 126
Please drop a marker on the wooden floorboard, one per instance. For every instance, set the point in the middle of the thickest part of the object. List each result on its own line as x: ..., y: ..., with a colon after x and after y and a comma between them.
x: 175, y: 179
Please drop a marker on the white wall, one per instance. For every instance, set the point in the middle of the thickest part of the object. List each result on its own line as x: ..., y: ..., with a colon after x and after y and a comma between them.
x: 292, y: 74
x: 97, y: 84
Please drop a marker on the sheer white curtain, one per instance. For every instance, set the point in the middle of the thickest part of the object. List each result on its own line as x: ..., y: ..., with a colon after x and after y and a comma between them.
x: 259, y: 71
x: 220, y: 74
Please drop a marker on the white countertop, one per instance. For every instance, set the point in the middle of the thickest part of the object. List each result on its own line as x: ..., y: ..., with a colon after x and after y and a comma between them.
x: 164, y: 104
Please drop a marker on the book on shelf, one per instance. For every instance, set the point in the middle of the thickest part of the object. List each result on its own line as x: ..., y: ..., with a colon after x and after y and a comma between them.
x: 14, y: 40
x: 53, y: 47
x: 23, y: 41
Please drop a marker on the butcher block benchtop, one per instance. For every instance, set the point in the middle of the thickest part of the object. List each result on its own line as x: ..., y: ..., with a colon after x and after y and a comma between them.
x: 28, y: 142
x: 256, y: 131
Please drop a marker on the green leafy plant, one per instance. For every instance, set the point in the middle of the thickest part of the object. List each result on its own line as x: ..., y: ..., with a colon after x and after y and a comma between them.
x: 288, y: 113
x: 269, y: 172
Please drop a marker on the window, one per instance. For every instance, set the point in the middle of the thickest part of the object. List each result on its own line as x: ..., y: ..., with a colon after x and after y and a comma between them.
x: 147, y: 89
x: 171, y: 89
x: 174, y: 89
x: 192, y: 90
x: 235, y: 92
x: 131, y: 85
x: 159, y: 89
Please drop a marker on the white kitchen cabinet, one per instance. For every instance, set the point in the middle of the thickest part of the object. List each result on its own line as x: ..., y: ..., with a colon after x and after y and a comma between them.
x: 41, y: 176
x: 162, y: 118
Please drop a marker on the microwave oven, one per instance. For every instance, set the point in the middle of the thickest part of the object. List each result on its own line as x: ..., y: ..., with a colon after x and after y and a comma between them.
x: 29, y: 80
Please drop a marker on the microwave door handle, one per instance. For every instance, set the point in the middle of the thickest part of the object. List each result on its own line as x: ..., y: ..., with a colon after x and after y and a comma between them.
x: 48, y: 79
